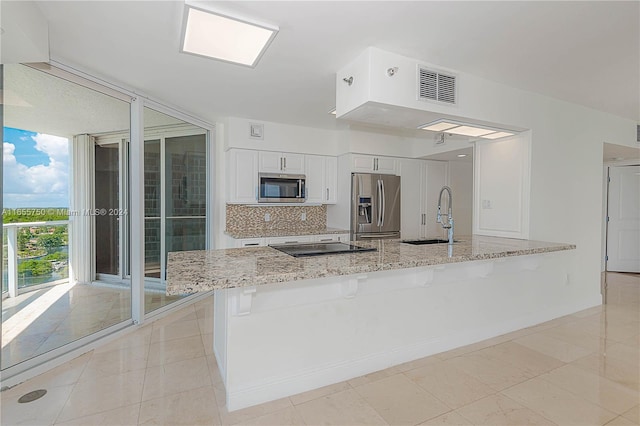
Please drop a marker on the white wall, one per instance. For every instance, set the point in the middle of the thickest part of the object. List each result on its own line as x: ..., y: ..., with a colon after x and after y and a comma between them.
x: 566, y: 151
x: 461, y: 183
x: 280, y: 137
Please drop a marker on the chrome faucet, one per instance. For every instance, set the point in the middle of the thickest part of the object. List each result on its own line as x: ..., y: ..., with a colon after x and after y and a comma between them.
x: 449, y: 225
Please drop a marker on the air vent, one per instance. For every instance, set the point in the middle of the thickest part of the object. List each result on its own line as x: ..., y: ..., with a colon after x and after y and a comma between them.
x: 437, y: 86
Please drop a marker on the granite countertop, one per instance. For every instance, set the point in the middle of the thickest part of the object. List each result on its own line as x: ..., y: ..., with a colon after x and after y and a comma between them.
x: 288, y: 232
x: 205, y: 270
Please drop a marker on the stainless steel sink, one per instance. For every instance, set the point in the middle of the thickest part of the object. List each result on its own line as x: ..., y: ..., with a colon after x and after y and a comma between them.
x: 423, y: 242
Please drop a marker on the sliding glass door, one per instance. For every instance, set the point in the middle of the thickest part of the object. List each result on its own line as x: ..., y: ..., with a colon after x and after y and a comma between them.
x: 175, y: 188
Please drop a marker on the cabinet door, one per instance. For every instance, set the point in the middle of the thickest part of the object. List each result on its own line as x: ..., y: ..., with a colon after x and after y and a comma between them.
x: 250, y: 242
x: 242, y: 184
x: 412, y: 189
x: 293, y: 239
x: 331, y: 180
x: 314, y: 170
x: 386, y: 165
x: 436, y: 178
x: 293, y: 163
x: 325, y: 238
x: 270, y: 162
x: 362, y: 163
x: 344, y: 238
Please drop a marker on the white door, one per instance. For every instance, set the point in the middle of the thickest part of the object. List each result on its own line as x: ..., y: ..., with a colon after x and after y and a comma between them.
x: 293, y: 163
x: 436, y: 178
x: 623, y: 232
x: 270, y: 162
x: 315, y: 178
x: 331, y: 180
x: 411, y: 210
x: 386, y: 165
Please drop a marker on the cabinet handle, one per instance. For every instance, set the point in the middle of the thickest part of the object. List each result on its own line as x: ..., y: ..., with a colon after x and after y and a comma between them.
x: 375, y: 164
x: 281, y: 163
x: 327, y: 194
x: 285, y: 163
x: 290, y: 242
x: 251, y: 244
x: 327, y: 239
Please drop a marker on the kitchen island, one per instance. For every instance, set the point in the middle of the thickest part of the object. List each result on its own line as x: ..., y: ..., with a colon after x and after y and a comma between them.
x: 284, y: 325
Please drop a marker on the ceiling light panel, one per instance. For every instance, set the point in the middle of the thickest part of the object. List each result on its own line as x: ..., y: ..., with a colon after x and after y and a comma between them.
x: 469, y: 131
x: 497, y: 135
x: 439, y: 127
x: 224, y: 37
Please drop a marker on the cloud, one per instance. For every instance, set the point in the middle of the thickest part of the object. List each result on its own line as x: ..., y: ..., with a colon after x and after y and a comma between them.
x: 38, y: 185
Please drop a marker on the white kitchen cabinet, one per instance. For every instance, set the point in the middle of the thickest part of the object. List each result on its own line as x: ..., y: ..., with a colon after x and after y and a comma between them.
x: 242, y: 176
x: 421, y: 182
x: 279, y: 162
x: 325, y: 238
x: 293, y: 239
x: 322, y: 177
x: 373, y: 164
x: 251, y: 242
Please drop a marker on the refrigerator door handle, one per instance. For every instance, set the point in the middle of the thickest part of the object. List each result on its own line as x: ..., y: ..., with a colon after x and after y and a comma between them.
x: 379, y: 193
x: 383, y: 202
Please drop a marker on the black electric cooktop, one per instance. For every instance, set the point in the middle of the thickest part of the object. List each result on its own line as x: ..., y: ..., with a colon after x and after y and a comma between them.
x: 319, y: 249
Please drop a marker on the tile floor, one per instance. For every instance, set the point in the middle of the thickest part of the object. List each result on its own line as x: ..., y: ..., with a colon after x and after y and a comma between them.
x: 39, y: 321
x: 581, y: 369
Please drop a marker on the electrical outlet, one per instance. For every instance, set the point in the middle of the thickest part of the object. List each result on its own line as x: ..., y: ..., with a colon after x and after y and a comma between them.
x: 267, y: 217
x: 303, y: 216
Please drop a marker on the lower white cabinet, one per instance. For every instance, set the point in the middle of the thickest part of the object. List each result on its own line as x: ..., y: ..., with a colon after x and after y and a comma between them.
x: 293, y: 239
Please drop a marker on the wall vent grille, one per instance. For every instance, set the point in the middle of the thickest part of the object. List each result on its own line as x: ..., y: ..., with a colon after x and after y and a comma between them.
x: 436, y: 86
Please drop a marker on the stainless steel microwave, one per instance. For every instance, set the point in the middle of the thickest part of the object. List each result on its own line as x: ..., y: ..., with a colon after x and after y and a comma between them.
x: 282, y: 188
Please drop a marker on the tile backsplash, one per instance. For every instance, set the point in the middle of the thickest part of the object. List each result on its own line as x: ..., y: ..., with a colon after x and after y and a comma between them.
x: 243, y: 218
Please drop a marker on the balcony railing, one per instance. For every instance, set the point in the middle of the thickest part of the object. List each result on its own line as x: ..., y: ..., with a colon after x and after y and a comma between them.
x: 37, y: 255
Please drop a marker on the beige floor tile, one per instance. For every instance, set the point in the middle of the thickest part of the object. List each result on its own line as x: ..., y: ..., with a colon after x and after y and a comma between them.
x: 418, y: 363
x: 594, y: 388
x: 207, y: 343
x: 532, y: 363
x: 205, y: 325
x: 449, y: 384
x: 249, y: 413
x: 181, y: 376
x: 124, y: 416
x: 163, y: 353
x: 557, y: 404
x: 565, y: 352
x: 501, y: 410
x: 103, y: 394
x: 63, y: 375
x: 287, y: 417
x: 498, y: 375
x: 114, y: 362
x: 193, y: 407
x: 375, y: 376
x: 175, y: 330
x: 319, y: 393
x: 577, y: 333
x: 342, y: 408
x: 452, y: 418
x: 214, y: 371
x: 139, y: 337
x: 621, y: 421
x: 43, y: 411
x: 186, y: 313
x: 633, y: 414
x: 400, y: 401
x: 615, y: 369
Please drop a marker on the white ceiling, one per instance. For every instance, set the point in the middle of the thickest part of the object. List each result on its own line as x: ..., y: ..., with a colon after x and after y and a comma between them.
x: 583, y: 52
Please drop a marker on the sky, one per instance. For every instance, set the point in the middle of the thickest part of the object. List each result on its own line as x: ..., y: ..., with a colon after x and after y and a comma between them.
x: 35, y: 169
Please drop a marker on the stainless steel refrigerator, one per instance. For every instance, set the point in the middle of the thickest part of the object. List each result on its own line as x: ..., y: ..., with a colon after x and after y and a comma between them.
x: 375, y: 206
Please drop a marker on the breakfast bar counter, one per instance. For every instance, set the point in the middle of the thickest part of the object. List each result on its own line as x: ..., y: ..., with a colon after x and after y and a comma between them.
x: 285, y: 325
x: 206, y: 270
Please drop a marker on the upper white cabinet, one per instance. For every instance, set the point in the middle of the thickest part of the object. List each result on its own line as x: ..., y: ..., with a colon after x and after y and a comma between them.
x: 321, y: 184
x: 242, y: 176
x: 279, y: 162
x: 374, y: 164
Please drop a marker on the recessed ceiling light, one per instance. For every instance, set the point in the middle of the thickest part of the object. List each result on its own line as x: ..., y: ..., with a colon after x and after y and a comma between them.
x: 462, y: 155
x: 332, y: 111
x: 497, y: 135
x: 439, y: 126
x: 224, y: 37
